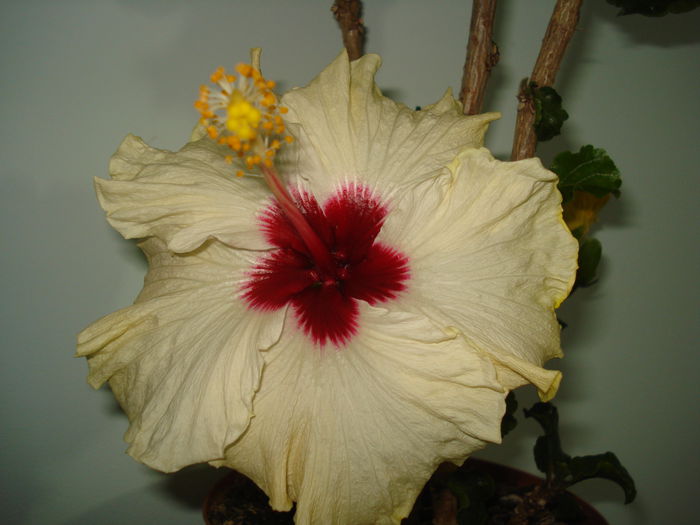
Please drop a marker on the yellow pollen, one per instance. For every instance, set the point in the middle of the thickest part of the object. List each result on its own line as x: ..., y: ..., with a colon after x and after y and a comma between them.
x: 268, y: 99
x: 245, y: 69
x: 241, y: 113
x: 242, y: 117
x: 252, y: 161
x: 217, y: 75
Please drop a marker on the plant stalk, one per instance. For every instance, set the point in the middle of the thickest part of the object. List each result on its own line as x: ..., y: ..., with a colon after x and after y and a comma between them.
x: 561, y: 28
x: 348, y: 14
x: 482, y: 56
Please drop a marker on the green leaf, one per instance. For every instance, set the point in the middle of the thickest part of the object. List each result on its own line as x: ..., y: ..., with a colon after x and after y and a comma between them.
x: 549, y: 456
x: 589, y: 254
x: 654, y: 7
x: 561, y: 469
x: 546, y: 415
x: 605, y: 466
x: 549, y: 115
x: 590, y: 170
x: 509, y: 421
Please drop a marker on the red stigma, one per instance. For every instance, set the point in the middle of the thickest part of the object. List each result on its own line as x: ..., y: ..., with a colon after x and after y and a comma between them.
x: 323, y: 287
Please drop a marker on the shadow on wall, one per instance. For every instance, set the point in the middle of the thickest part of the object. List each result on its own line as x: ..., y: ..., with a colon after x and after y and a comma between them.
x: 185, y: 489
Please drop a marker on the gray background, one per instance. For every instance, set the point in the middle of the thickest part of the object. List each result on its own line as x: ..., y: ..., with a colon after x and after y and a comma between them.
x: 79, y: 75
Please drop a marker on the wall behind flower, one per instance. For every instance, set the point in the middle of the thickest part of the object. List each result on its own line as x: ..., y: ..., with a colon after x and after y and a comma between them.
x: 78, y: 75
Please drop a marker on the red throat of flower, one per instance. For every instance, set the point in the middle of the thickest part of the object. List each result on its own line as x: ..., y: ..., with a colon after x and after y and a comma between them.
x: 325, y: 259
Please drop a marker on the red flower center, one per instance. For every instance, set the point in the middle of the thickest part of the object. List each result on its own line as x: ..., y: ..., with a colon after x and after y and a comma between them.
x: 323, y: 285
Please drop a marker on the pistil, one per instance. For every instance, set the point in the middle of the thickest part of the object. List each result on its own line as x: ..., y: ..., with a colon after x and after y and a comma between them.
x: 317, y: 248
x: 244, y: 116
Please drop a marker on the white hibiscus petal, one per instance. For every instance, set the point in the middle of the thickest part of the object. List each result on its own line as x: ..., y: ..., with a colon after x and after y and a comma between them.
x: 352, y: 434
x: 184, y: 361
x: 495, y: 260
x: 184, y: 198
x: 349, y: 132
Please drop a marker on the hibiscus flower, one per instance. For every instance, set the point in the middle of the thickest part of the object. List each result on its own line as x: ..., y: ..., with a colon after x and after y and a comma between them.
x: 347, y: 313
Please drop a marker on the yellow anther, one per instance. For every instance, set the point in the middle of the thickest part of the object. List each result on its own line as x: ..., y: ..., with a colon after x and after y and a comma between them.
x: 228, y: 159
x: 241, y: 113
x: 240, y: 173
x: 283, y: 110
x: 217, y: 75
x: 268, y: 99
x: 245, y: 69
x: 233, y: 142
x: 289, y: 139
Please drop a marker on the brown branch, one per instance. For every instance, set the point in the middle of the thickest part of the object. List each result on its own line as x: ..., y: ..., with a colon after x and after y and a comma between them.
x: 559, y: 32
x: 348, y: 14
x: 482, y: 56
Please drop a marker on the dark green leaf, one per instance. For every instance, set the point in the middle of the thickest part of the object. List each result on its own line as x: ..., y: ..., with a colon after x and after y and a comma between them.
x: 589, y: 255
x: 549, y: 115
x: 605, y: 466
x: 578, y: 233
x: 590, y: 170
x: 549, y: 456
x: 543, y: 454
x: 561, y: 469
x: 654, y: 7
x: 546, y: 415
x: 509, y: 421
